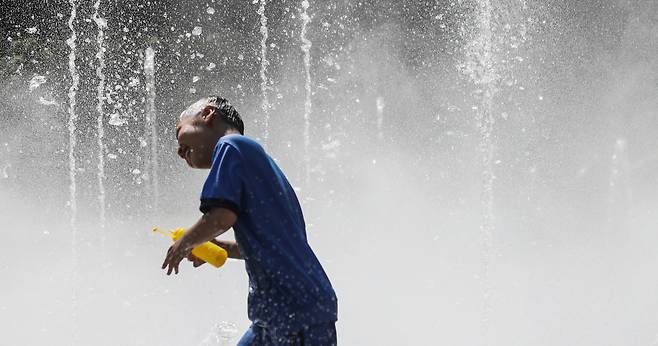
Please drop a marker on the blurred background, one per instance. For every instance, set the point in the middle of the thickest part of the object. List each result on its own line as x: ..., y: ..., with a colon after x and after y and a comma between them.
x: 472, y: 172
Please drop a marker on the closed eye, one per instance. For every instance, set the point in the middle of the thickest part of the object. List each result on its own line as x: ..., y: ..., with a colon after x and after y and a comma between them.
x: 183, y: 151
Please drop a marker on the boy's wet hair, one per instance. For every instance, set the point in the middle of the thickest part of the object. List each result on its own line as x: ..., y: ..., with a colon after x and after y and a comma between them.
x: 227, y: 112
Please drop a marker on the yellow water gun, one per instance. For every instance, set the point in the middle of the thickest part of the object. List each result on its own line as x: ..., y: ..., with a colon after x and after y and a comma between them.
x: 208, y: 251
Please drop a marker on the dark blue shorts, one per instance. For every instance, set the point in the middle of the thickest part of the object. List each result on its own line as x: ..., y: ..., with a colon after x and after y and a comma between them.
x: 316, y: 335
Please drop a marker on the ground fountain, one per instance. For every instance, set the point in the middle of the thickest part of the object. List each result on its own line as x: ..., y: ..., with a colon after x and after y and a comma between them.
x: 472, y: 172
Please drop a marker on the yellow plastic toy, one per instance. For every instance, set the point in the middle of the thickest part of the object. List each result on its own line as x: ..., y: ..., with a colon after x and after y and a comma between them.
x: 207, y: 251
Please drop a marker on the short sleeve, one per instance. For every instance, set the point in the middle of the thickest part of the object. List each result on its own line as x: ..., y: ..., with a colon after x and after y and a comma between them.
x: 223, y: 187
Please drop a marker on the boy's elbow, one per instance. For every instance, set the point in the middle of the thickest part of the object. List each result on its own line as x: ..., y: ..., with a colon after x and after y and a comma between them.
x: 221, y: 218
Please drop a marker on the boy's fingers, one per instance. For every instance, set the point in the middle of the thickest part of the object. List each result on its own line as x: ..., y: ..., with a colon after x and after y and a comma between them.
x: 164, y: 264
x: 195, y: 260
x: 173, y: 266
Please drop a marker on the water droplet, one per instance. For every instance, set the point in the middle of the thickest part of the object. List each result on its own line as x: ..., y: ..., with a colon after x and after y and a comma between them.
x: 117, y: 120
x: 210, y: 10
x: 380, y: 104
x: 134, y: 81
x: 36, y: 81
x: 197, y: 31
x: 4, y: 171
x: 45, y: 102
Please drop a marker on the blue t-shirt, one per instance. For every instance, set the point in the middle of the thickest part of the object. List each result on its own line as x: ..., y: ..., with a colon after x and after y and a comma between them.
x: 288, y: 288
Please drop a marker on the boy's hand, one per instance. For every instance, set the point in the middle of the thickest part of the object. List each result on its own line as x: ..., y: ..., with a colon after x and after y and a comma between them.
x: 175, y: 254
x: 195, y: 260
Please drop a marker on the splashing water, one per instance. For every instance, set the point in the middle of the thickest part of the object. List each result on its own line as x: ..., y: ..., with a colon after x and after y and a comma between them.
x: 101, y: 24
x: 36, y: 82
x: 117, y: 120
x: 221, y: 334
x: 306, y: 48
x: 75, y: 80
x: 264, y: 63
x: 47, y: 102
x: 151, y: 122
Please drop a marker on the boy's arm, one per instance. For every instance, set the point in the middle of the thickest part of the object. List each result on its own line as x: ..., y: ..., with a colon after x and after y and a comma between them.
x: 230, y: 246
x: 211, y: 225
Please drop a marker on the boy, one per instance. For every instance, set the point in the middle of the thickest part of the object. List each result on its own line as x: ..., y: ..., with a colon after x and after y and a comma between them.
x: 291, y: 301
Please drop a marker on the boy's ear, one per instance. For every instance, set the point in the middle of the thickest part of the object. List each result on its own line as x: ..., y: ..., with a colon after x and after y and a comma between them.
x: 209, y: 114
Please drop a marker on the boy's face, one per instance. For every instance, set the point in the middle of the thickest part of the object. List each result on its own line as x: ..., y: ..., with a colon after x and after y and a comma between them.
x: 196, y: 141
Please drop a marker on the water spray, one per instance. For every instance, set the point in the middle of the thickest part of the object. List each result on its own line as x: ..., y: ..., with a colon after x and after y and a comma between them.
x: 264, y: 63
x: 306, y: 48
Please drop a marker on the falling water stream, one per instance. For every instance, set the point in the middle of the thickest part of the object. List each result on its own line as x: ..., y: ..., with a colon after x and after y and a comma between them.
x: 75, y: 80
x: 510, y: 229
x: 306, y: 48
x: 480, y: 67
x: 265, y: 105
x: 101, y: 24
x: 151, y: 122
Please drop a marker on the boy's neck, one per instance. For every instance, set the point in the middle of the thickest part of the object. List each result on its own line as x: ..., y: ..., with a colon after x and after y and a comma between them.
x: 230, y: 131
